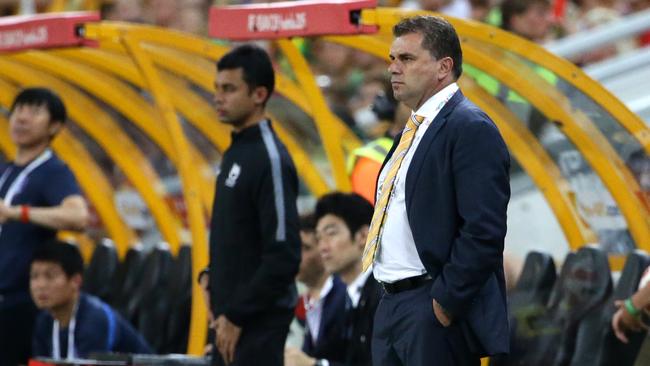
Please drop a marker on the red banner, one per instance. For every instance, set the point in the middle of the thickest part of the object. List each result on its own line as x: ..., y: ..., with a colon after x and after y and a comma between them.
x: 44, y: 30
x: 289, y: 19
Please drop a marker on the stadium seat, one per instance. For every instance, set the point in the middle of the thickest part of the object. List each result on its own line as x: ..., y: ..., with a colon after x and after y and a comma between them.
x: 606, y: 349
x: 580, y: 291
x: 527, y: 301
x: 582, y: 294
x: 125, y: 281
x: 100, y: 270
x: 180, y: 297
x: 151, y: 297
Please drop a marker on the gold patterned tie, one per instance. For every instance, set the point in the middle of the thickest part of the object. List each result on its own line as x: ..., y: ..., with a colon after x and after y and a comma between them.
x: 379, y: 216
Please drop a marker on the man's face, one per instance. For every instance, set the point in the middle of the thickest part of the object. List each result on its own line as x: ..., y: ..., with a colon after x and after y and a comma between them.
x: 311, y: 264
x: 50, y: 286
x: 415, y: 73
x: 29, y: 125
x: 533, y: 24
x: 233, y: 99
x: 338, y: 247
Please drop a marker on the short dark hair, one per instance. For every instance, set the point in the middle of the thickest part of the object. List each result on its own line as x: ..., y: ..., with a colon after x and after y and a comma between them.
x: 64, y: 254
x: 39, y: 97
x: 307, y: 223
x: 352, y: 208
x: 256, y: 66
x: 510, y: 8
x: 438, y: 37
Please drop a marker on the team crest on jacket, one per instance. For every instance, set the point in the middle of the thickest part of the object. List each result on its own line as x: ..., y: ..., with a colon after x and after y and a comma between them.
x: 233, y: 175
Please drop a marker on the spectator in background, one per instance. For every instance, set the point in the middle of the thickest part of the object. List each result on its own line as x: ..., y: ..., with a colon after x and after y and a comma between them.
x: 590, y: 14
x: 39, y: 196
x: 123, y: 10
x: 365, y: 162
x: 531, y: 19
x: 636, y: 6
x: 480, y: 9
x: 455, y: 8
x: 254, y: 239
x: 324, y: 304
x: 74, y: 324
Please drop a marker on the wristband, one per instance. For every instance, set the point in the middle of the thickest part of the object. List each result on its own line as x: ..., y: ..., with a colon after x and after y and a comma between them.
x: 24, y: 214
x: 631, y: 309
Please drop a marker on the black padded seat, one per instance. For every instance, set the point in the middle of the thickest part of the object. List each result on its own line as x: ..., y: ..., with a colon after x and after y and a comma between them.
x: 579, y: 293
x: 151, y: 296
x: 600, y: 346
x: 100, y: 270
x: 180, y: 297
x: 527, y: 302
x: 585, y: 287
x: 125, y: 282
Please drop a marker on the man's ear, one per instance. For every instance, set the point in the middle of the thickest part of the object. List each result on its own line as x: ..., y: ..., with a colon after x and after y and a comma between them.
x: 361, y: 236
x: 260, y: 94
x: 446, y: 67
x: 77, y: 280
x: 54, y: 128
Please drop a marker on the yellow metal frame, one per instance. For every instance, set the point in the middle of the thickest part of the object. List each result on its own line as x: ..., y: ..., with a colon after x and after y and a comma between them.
x: 536, y: 162
x: 202, y: 74
x: 530, y: 154
x: 587, y: 138
x: 385, y: 18
x: 324, y: 118
x: 189, y: 179
x: 94, y: 121
x: 125, y: 100
x: 212, y: 51
x: 198, y: 112
x: 595, y: 148
x: 91, y: 178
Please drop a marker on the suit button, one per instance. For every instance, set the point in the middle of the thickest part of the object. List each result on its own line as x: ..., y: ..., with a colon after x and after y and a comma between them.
x: 362, y: 339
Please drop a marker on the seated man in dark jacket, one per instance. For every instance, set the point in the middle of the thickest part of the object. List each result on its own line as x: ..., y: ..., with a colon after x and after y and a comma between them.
x: 341, y: 229
x: 73, y: 324
x: 324, y: 303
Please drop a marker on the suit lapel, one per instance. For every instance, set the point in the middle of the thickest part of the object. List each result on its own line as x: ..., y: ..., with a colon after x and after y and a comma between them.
x: 424, y: 145
x: 329, y: 313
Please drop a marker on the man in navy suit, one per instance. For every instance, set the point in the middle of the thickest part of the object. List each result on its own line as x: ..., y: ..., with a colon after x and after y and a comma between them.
x: 437, y: 235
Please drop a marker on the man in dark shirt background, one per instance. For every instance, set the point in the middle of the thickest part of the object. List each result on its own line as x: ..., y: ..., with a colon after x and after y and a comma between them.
x: 38, y: 196
x: 74, y: 324
x: 254, y: 240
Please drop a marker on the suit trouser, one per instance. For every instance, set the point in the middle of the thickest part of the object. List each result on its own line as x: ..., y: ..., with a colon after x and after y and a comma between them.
x: 406, y: 332
x: 258, y: 346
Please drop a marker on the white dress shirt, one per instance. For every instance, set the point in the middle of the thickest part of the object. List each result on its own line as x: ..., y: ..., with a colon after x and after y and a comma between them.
x: 397, y: 257
x: 314, y: 309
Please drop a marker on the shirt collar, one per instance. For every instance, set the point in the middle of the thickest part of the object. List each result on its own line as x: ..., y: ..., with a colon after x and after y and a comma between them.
x: 354, y: 289
x: 324, y: 291
x: 431, y: 107
x: 327, y: 287
x: 252, y: 131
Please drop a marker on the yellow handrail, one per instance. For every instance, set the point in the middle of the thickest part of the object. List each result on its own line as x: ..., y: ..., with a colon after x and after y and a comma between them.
x: 94, y: 121
x: 92, y: 180
x: 189, y: 180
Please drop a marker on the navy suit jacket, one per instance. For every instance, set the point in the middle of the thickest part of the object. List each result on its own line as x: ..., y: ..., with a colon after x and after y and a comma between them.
x: 331, y: 344
x: 457, y: 191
